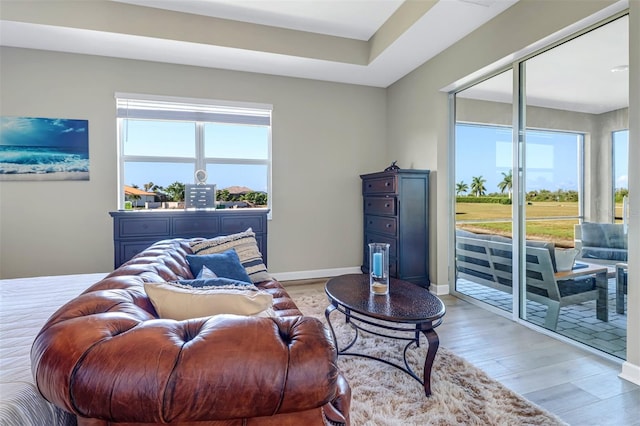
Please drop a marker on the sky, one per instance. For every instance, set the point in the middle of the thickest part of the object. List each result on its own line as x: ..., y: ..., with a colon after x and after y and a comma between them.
x: 44, y: 132
x: 551, y: 158
x: 223, y: 176
x: 620, y: 159
x: 173, y: 139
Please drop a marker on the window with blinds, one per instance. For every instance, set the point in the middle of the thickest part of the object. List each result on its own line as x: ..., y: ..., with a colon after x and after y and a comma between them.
x: 164, y: 141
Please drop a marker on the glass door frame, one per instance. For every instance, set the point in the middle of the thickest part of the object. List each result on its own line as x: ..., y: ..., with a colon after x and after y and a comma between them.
x: 518, y: 68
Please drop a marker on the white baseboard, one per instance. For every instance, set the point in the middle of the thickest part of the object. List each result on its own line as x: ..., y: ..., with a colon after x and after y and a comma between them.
x: 630, y: 372
x: 439, y: 289
x: 317, y: 273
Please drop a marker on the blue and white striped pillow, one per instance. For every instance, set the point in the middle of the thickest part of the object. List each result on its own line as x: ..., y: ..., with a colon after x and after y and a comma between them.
x: 245, y: 245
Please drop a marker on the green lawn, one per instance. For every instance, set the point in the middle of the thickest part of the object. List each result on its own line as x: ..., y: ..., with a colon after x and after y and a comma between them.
x: 541, y: 225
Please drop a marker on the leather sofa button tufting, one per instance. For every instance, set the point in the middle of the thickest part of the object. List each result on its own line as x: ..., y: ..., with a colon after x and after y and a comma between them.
x: 106, y: 357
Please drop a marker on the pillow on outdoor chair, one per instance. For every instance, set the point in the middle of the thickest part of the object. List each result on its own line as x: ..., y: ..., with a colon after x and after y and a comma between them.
x: 605, y: 235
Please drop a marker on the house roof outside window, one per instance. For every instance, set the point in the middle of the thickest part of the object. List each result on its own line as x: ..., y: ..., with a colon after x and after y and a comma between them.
x: 129, y: 190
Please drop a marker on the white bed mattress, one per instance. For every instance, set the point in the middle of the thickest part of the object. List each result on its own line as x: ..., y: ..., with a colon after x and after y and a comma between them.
x: 25, y: 305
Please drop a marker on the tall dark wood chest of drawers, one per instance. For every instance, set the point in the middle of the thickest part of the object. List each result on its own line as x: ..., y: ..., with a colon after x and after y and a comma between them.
x: 135, y: 230
x: 396, y: 211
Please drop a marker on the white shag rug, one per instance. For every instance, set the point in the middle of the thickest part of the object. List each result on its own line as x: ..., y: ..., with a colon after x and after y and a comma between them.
x: 385, y: 396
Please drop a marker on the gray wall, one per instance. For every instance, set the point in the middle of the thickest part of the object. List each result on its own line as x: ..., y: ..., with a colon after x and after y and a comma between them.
x: 324, y: 136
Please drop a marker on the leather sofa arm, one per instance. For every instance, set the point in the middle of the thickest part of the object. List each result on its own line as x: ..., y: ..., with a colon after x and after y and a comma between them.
x: 119, y: 366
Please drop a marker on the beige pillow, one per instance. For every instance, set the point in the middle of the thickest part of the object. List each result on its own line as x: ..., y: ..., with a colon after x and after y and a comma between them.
x: 180, y: 302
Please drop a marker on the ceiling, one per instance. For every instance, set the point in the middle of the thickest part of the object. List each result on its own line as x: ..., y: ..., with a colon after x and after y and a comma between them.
x: 585, y: 74
x: 357, y: 19
x: 366, y: 42
x: 405, y: 26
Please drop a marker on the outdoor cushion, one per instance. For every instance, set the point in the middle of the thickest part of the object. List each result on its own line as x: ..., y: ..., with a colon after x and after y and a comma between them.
x: 604, y: 235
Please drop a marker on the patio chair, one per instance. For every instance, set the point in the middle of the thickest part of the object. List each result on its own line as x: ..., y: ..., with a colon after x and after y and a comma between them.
x: 621, y: 286
x: 542, y: 286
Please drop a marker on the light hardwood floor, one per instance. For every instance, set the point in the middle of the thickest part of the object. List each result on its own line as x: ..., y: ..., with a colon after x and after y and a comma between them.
x: 578, y: 386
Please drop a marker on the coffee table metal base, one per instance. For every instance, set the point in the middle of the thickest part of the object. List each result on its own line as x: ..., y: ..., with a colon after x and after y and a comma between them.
x: 425, y: 328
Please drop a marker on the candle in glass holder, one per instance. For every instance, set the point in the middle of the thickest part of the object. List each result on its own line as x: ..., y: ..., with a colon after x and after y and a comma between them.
x: 379, y: 268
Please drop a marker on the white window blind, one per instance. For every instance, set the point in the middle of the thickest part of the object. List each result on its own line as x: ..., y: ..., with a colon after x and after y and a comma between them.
x: 185, y: 109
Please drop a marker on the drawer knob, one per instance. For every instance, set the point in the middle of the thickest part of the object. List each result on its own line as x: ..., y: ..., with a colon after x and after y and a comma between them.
x: 387, y: 205
x: 387, y: 184
x: 388, y: 225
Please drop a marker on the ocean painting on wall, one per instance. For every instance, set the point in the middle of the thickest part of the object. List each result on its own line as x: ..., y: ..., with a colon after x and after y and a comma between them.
x: 43, y: 149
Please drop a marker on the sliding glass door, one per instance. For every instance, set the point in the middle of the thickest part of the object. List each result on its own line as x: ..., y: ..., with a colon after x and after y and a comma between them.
x: 547, y: 233
x: 577, y: 90
x: 483, y: 164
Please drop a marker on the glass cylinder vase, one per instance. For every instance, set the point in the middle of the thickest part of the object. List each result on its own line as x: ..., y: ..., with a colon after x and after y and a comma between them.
x: 379, y: 268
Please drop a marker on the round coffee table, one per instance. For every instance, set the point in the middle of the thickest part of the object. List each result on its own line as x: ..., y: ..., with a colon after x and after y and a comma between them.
x: 408, y: 308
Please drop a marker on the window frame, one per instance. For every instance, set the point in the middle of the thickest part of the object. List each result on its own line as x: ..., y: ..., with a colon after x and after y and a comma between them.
x: 614, y: 172
x: 200, y: 112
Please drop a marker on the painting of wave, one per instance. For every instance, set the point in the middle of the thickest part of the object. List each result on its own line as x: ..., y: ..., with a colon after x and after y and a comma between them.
x: 43, y: 149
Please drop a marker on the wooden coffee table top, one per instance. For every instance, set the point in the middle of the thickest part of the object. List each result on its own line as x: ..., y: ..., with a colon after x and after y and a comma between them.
x: 405, y: 303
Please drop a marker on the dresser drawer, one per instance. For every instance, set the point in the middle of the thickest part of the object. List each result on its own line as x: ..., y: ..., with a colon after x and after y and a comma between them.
x: 232, y: 225
x: 134, y: 231
x: 393, y: 267
x: 141, y: 227
x: 199, y: 226
x: 381, y: 224
x: 383, y: 185
x: 129, y: 249
x: 376, y: 238
x: 380, y: 205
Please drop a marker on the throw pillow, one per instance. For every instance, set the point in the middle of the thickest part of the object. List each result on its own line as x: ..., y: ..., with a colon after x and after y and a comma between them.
x: 245, y: 245
x: 219, y: 282
x: 592, y: 234
x: 225, y: 264
x: 179, y: 302
x: 550, y: 246
x: 206, y: 273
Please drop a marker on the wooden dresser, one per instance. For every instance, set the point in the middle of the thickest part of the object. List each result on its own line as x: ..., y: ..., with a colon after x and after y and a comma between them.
x: 135, y: 230
x: 396, y: 211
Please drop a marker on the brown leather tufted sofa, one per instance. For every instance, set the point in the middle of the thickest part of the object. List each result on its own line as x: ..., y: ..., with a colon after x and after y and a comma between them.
x: 106, y: 357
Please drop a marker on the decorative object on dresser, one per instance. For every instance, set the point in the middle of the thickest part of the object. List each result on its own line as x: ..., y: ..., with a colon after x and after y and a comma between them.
x: 396, y: 212
x: 134, y: 231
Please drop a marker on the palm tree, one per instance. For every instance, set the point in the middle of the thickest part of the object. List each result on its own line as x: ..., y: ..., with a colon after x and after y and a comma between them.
x: 507, y: 182
x: 223, y: 195
x: 151, y: 187
x: 477, y: 186
x: 461, y: 188
x: 175, y: 191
